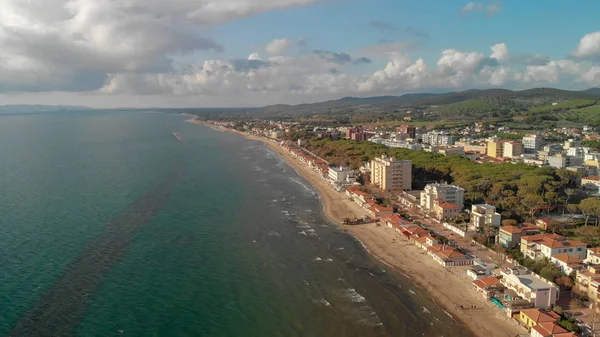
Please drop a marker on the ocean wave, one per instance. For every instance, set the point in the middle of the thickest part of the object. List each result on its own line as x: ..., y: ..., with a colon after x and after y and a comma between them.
x: 425, y: 310
x: 317, y: 259
x: 302, y: 233
x: 273, y: 233
x: 353, y: 296
x: 323, y: 302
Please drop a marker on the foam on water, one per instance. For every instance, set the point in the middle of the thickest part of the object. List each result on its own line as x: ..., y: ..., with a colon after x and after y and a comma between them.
x: 352, y: 295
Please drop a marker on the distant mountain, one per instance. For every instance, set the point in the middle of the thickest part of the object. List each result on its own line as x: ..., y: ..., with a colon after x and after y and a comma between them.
x: 41, y: 108
x: 530, y: 97
x: 593, y: 91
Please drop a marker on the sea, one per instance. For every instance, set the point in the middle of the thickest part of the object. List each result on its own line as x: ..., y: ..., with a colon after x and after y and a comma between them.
x: 109, y: 226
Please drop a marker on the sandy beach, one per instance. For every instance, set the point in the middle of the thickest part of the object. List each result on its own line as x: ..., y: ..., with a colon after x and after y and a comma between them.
x: 449, y: 287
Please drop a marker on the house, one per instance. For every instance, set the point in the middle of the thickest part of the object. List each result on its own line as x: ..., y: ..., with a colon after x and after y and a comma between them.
x: 392, y: 220
x: 410, y: 199
x: 530, y: 287
x: 477, y: 271
x: 543, y: 223
x: 510, y: 236
x: 448, y: 256
x: 547, y: 245
x: 445, y: 211
x: 587, y: 281
x: 434, y: 194
x: 377, y: 210
x: 535, y: 316
x: 593, y: 255
x: 488, y: 286
x: 484, y: 216
x: 591, y: 183
x: 424, y: 241
x: 550, y: 329
x: 412, y: 230
x: 567, y: 263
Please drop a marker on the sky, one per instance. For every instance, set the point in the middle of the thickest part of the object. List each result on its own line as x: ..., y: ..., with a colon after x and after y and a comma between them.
x: 236, y: 53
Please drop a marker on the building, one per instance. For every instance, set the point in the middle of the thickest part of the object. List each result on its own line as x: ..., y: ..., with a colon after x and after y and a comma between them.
x: 567, y: 263
x: 591, y: 183
x: 512, y: 149
x: 444, y: 193
x: 488, y: 287
x: 550, y: 330
x: 410, y: 199
x: 406, y: 131
x: 448, y: 256
x: 593, y: 255
x: 532, y: 143
x: 390, y: 174
x: 438, y: 139
x: 356, y: 134
x: 495, y: 149
x: 532, y: 288
x: 510, y: 236
x: 548, y: 245
x: 340, y: 174
x: 484, y: 215
x: 445, y: 211
x: 587, y: 281
x: 535, y: 316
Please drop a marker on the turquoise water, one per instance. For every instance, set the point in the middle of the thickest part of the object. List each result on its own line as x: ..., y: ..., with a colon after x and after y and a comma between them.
x: 111, y: 227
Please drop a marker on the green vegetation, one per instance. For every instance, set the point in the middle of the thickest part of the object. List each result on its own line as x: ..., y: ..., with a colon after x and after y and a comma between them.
x: 488, y: 107
x: 517, y: 190
x: 513, y: 136
x: 595, y: 144
x: 568, y: 105
x: 543, y: 267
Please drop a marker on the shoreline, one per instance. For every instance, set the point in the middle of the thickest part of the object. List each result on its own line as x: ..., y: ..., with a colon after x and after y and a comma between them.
x: 446, y: 287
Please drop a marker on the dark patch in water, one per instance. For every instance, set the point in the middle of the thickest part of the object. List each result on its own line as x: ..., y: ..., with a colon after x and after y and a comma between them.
x: 63, y: 304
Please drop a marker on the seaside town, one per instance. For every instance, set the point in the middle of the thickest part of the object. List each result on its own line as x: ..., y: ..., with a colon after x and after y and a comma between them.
x: 523, y: 247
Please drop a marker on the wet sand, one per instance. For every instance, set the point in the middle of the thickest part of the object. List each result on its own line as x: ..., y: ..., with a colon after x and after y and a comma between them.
x: 449, y: 287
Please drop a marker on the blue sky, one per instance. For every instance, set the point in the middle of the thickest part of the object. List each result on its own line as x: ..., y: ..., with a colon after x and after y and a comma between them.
x: 259, y: 52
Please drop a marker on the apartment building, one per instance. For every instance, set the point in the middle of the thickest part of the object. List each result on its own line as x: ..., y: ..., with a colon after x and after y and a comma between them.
x: 495, y: 148
x: 484, y: 215
x: 548, y: 245
x: 444, y: 193
x: 510, y: 236
x: 391, y: 174
x: 539, y: 292
x: 532, y: 143
x: 512, y: 149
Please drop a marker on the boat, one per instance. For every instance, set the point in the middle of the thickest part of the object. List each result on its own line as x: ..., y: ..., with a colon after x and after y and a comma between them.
x: 178, y: 136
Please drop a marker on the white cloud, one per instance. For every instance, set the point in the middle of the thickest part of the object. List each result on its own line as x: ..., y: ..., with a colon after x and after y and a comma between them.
x: 592, y: 76
x: 490, y: 8
x: 500, y: 52
x: 74, y: 44
x: 278, y: 46
x: 589, y: 46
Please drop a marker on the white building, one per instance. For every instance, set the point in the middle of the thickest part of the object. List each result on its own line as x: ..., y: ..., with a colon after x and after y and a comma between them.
x: 539, y: 292
x: 512, y: 149
x: 341, y: 174
x: 444, y: 193
x: 484, y: 215
x: 439, y: 138
x: 532, y: 143
x: 548, y: 245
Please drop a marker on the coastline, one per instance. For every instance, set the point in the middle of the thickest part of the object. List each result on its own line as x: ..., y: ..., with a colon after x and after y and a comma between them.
x: 447, y: 287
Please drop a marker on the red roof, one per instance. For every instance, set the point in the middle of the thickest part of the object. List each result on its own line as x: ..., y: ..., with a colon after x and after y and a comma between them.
x: 511, y: 229
x: 539, y: 316
x: 448, y: 205
x: 596, y: 178
x: 486, y: 281
x: 549, y: 329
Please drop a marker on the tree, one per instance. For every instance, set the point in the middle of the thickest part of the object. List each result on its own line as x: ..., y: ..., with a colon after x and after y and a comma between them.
x: 574, y: 303
x: 558, y: 309
x: 564, y: 281
x: 509, y: 222
x: 590, y: 207
x: 549, y: 273
x: 556, y: 227
x: 532, y: 202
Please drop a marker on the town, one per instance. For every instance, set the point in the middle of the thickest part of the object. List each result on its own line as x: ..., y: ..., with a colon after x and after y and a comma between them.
x: 537, y: 263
